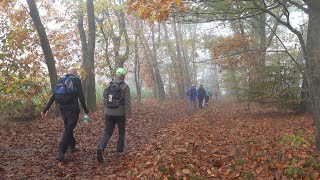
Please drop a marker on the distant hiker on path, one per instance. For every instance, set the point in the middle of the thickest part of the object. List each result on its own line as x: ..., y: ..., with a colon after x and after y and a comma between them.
x: 201, y: 96
x: 207, y: 96
x: 216, y: 93
x: 192, y: 94
x: 66, y: 93
x: 117, y: 107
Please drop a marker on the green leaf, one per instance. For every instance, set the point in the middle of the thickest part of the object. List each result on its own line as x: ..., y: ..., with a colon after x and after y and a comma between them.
x: 8, y: 90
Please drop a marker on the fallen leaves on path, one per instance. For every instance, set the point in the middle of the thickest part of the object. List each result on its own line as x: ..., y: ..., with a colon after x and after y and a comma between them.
x: 164, y: 140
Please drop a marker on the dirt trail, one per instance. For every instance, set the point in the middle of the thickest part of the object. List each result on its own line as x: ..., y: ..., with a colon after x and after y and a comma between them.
x: 162, y: 140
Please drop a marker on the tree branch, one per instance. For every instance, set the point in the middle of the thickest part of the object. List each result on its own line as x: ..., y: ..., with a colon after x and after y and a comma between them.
x: 241, y: 52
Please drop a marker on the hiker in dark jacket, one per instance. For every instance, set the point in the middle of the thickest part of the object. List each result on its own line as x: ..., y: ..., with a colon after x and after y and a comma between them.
x: 201, y: 96
x: 216, y: 93
x: 192, y: 94
x: 70, y: 114
x: 115, y: 114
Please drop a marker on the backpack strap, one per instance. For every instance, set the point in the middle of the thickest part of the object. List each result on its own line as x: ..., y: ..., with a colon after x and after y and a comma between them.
x: 120, y: 83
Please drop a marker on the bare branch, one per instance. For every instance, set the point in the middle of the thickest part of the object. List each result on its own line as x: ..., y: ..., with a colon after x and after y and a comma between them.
x: 251, y: 50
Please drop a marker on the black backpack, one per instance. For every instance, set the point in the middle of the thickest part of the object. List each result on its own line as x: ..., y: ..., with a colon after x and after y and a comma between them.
x: 113, y: 95
x: 64, y: 91
x: 192, y: 92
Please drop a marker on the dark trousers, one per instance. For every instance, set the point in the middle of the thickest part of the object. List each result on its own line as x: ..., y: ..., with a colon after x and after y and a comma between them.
x: 110, y: 122
x: 200, y: 102
x: 70, y: 118
x: 206, y: 99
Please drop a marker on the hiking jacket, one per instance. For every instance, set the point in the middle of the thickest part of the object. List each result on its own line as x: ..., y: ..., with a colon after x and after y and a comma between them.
x: 208, y: 93
x: 74, y: 103
x: 194, y: 97
x: 201, y: 92
x: 122, y: 110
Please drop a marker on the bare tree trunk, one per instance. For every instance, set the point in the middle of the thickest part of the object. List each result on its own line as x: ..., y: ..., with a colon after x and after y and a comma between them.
x: 123, y: 31
x: 170, y: 86
x: 262, y: 41
x: 193, y: 57
x: 313, y: 66
x: 180, y: 63
x: 91, y: 95
x: 184, y: 58
x: 154, y: 81
x: 106, y: 39
x: 152, y: 64
x: 148, y: 54
x: 158, y: 87
x: 45, y: 45
x: 137, y: 66
x: 116, y: 39
x: 159, y: 82
x: 174, y: 64
x: 84, y: 48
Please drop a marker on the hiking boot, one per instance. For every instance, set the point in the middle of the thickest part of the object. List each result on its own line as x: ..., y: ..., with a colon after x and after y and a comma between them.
x: 100, y: 157
x: 60, y: 157
x: 120, y: 153
x: 73, y: 149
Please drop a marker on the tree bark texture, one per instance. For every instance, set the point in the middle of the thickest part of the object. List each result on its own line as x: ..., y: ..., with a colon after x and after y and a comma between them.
x: 91, y: 94
x: 84, y: 48
x: 137, y: 68
x: 313, y: 58
x: 179, y: 62
x: 185, y: 58
x: 45, y: 45
x: 175, y: 68
x: 159, y: 83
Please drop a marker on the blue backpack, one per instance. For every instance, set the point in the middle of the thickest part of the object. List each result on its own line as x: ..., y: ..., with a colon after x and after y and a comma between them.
x: 64, y: 91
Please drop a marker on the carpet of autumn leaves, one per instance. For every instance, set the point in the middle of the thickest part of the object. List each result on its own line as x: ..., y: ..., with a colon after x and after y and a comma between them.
x: 165, y: 141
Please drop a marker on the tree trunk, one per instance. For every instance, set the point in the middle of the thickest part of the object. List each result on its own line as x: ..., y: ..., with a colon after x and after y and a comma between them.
x: 137, y: 67
x: 106, y: 49
x: 184, y: 58
x: 152, y: 66
x: 174, y: 63
x: 262, y: 42
x: 154, y: 81
x: 159, y: 82
x: 158, y: 87
x: 45, y: 45
x: 304, y: 106
x: 91, y: 95
x: 116, y: 39
x: 180, y: 63
x: 123, y: 31
x: 313, y: 49
x: 84, y: 48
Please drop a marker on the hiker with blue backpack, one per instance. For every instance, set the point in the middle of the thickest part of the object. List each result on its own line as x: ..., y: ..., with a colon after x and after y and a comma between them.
x: 192, y: 94
x: 117, y: 108
x: 66, y: 93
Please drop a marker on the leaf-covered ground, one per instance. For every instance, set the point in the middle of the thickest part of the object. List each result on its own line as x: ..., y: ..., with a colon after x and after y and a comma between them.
x: 165, y: 141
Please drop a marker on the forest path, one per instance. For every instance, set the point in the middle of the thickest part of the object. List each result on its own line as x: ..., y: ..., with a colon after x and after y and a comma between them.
x: 164, y: 139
